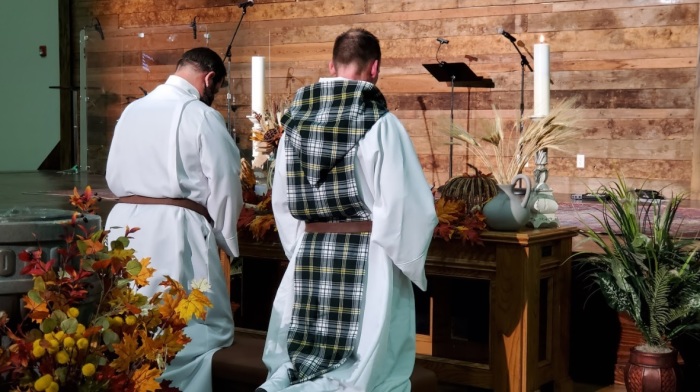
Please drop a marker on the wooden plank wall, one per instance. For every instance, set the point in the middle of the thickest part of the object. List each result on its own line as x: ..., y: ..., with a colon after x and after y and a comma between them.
x: 631, y: 63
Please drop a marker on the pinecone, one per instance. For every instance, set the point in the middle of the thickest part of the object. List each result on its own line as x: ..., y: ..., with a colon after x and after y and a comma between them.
x: 272, y: 135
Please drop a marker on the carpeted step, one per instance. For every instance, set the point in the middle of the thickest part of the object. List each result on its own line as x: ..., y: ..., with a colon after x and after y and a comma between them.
x: 239, y: 367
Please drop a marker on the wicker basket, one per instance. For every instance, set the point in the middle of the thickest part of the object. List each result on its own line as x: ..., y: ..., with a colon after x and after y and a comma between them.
x: 475, y: 190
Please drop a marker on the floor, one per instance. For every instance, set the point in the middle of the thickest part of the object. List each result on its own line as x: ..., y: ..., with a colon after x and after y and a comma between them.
x: 50, y: 190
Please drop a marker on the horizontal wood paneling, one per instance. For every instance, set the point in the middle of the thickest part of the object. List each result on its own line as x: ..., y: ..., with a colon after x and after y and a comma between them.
x: 632, y: 64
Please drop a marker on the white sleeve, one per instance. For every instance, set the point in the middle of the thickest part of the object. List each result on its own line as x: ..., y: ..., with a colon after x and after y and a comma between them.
x: 221, y: 164
x: 289, y: 228
x: 403, y: 210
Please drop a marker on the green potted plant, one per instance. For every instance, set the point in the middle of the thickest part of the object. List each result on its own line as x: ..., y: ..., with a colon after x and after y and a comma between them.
x: 648, y: 272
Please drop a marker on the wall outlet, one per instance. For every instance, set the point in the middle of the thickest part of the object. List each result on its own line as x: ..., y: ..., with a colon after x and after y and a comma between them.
x: 580, y: 161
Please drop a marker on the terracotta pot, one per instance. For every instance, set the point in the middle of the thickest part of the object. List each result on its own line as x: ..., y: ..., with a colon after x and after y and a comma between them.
x: 630, y: 337
x: 651, y: 372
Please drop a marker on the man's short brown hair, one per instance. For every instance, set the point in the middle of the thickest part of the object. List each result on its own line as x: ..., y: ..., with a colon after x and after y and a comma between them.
x: 357, y: 46
x: 205, y: 60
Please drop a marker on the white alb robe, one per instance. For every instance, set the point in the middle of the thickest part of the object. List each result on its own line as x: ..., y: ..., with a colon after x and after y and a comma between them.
x: 393, y: 186
x: 169, y: 144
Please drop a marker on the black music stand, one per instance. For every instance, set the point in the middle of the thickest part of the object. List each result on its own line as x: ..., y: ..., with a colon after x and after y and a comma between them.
x: 456, y: 75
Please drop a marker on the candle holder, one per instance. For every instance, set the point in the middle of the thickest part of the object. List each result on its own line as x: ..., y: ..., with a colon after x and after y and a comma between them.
x: 542, y: 204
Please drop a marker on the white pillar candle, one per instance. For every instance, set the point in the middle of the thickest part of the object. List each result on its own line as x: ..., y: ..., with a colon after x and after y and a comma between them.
x: 541, y: 82
x: 257, y: 91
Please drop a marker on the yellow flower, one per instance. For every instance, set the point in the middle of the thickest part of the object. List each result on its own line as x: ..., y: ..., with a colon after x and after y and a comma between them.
x: 82, y: 343
x: 54, y: 346
x: 62, y: 357
x: 116, y: 320
x: 53, y: 387
x: 80, y: 330
x: 88, y: 370
x: 59, y: 335
x: 43, y: 382
x: 130, y: 320
x: 68, y: 342
x: 38, y: 351
x: 73, y: 312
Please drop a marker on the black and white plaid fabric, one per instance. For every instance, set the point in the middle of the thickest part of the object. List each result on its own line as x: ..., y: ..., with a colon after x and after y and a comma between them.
x: 322, y: 127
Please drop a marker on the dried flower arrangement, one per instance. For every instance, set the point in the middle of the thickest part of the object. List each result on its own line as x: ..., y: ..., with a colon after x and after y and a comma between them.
x: 505, y: 154
x: 256, y: 221
x: 121, y: 342
x: 271, y: 129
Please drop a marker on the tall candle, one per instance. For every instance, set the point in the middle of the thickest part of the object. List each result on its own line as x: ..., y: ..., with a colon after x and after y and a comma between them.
x: 257, y: 92
x: 541, y: 82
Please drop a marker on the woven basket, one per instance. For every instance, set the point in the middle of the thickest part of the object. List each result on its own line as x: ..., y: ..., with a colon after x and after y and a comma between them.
x: 474, y: 189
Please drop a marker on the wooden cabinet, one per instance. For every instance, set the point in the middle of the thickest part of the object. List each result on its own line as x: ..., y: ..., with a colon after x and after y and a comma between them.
x: 495, y: 316
x: 500, y: 312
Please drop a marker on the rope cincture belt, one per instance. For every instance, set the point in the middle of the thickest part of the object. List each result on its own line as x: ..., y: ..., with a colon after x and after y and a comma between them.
x: 168, y: 201
x: 339, y: 227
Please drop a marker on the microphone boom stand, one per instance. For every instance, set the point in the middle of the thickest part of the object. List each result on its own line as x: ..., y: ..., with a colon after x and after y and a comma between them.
x: 229, y: 96
x: 523, y: 64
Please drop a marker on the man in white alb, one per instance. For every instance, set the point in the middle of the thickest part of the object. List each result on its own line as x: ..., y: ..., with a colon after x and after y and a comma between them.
x: 355, y: 216
x: 176, y: 171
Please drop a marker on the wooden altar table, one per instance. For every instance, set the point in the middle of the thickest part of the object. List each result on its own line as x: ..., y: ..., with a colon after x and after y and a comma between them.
x: 495, y: 316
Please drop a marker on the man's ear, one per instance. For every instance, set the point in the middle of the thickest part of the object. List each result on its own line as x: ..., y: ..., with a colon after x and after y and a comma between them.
x: 374, y: 71
x: 209, y: 78
x: 331, y: 68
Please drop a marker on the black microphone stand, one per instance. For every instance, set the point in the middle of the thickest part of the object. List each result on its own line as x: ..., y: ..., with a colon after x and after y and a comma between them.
x: 452, y: 106
x: 229, y: 97
x: 523, y: 64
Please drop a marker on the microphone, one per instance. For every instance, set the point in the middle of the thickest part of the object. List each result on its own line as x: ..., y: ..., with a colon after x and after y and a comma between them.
x: 506, y: 34
x: 443, y: 41
x: 98, y: 27
x: 245, y: 4
x: 193, y: 24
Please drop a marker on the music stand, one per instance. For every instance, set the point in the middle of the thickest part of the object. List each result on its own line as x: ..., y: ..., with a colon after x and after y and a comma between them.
x: 456, y: 74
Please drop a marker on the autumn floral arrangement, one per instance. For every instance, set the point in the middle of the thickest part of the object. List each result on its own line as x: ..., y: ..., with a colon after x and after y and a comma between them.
x: 270, y: 130
x: 121, y: 341
x: 457, y: 222
x: 256, y: 221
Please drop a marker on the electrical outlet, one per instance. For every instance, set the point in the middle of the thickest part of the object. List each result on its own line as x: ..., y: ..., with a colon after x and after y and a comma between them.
x: 580, y: 161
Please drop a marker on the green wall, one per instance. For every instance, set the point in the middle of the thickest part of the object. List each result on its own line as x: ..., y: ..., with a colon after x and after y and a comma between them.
x: 29, y: 110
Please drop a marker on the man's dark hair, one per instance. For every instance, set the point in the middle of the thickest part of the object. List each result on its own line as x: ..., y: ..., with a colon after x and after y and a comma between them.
x: 205, y: 60
x: 356, y: 46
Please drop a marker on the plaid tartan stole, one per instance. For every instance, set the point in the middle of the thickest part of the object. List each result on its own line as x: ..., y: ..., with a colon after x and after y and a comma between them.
x: 323, y: 126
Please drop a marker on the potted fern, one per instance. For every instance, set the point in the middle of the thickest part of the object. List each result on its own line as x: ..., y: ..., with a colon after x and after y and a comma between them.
x: 648, y: 272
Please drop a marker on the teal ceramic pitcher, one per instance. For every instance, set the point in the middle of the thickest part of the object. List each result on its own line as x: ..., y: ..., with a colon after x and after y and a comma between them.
x: 508, y: 211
